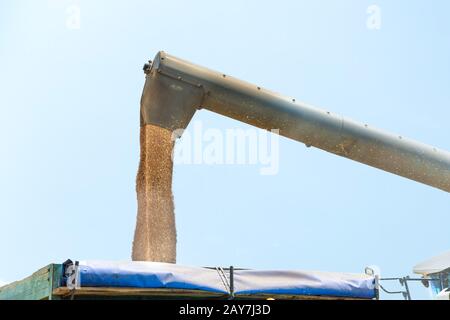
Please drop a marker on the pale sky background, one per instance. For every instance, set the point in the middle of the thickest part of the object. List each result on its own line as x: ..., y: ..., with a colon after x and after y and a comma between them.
x: 69, y: 124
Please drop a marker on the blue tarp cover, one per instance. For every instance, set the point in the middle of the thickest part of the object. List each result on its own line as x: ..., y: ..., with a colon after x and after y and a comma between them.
x: 246, y: 282
x: 139, y: 274
x: 309, y: 283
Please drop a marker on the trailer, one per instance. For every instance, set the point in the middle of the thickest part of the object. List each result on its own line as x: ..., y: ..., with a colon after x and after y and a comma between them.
x: 141, y: 280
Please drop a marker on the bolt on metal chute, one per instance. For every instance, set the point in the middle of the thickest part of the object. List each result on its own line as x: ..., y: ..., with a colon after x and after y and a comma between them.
x: 175, y: 89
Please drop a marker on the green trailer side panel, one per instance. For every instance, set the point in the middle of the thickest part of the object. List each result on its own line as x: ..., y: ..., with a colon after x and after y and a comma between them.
x: 38, y: 286
x: 57, y: 273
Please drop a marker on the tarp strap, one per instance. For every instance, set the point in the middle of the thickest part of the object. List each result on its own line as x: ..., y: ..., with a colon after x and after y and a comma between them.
x: 223, y: 277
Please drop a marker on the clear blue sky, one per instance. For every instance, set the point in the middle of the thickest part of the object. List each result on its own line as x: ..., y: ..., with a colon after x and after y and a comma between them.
x: 69, y: 125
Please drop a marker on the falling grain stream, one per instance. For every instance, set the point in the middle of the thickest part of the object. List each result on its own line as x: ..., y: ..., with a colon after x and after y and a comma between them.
x: 155, y: 234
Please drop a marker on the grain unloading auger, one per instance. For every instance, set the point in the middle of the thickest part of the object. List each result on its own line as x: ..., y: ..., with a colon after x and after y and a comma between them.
x: 175, y: 89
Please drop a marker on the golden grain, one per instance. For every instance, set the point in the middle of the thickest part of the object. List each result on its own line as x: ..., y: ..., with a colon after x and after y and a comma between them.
x: 155, y: 234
